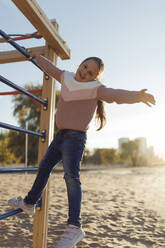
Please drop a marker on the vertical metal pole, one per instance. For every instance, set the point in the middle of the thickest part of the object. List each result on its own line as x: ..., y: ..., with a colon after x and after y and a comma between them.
x: 26, y: 147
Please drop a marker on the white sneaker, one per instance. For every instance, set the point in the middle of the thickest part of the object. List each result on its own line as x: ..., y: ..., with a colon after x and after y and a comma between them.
x: 70, y: 237
x: 19, y: 203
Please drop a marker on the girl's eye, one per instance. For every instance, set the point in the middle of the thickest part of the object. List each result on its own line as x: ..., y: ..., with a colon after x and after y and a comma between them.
x: 90, y: 73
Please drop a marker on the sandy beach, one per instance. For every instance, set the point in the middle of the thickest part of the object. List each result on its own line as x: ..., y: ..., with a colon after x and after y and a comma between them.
x: 122, y: 207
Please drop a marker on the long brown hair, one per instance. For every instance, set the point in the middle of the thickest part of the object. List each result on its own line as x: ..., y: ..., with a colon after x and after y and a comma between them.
x: 100, y: 111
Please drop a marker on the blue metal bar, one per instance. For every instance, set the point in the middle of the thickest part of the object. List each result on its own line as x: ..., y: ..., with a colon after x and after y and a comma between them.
x: 17, y: 211
x: 19, y: 48
x: 17, y: 170
x: 10, y: 213
x: 20, y: 129
x: 24, y: 91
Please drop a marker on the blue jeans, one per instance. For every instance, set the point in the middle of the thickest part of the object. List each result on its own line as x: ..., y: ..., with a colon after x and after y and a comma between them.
x: 68, y: 146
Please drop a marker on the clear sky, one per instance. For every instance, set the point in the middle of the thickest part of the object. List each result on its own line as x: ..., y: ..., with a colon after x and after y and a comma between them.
x: 128, y: 35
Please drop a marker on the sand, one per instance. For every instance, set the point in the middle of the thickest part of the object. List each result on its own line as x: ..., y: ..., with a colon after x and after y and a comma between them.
x: 122, y: 207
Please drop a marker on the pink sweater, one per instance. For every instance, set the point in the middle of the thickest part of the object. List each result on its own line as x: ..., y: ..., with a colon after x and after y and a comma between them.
x: 78, y: 101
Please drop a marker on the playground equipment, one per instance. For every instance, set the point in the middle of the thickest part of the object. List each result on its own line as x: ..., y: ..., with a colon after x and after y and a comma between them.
x: 19, y: 210
x: 55, y: 46
x: 10, y: 213
x: 19, y: 48
x: 24, y: 91
x: 16, y: 170
x: 15, y: 37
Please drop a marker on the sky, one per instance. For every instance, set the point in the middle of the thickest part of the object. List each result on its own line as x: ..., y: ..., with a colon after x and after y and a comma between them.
x: 127, y: 34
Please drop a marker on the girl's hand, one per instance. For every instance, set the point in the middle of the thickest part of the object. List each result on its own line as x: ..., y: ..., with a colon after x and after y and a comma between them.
x: 146, y: 98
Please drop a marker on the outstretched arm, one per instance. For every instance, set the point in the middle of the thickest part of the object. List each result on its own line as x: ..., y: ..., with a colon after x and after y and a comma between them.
x: 49, y: 68
x: 124, y: 96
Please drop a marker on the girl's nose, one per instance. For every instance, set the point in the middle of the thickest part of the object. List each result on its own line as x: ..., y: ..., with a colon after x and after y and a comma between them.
x: 84, y: 74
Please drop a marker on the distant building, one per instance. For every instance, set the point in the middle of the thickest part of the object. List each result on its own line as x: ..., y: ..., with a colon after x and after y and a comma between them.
x: 150, y: 152
x: 142, y: 145
x: 120, y: 142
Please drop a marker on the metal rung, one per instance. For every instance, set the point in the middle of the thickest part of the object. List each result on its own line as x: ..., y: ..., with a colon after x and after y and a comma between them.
x: 17, y: 211
x: 10, y: 213
x: 24, y: 91
x: 17, y: 170
x: 20, y: 129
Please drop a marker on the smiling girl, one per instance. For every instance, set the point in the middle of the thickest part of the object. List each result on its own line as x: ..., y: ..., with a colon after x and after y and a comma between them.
x: 81, y: 95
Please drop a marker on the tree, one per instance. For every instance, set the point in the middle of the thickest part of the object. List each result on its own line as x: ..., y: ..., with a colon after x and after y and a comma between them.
x: 109, y: 156
x: 131, y: 153
x: 103, y: 156
x: 95, y: 158
x: 85, y: 156
x: 6, y: 156
x: 26, y: 111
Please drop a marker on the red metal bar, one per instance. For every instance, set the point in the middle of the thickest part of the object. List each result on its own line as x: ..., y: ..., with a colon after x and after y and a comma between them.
x: 18, y: 92
x: 24, y: 37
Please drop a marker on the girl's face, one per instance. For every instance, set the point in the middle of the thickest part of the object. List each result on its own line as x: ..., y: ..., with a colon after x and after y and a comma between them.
x: 87, y: 71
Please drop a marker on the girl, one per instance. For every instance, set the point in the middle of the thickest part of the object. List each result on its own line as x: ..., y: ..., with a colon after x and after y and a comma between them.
x: 81, y: 94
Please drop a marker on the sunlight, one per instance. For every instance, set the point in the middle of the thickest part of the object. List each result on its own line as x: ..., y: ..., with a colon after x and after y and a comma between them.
x: 147, y: 124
